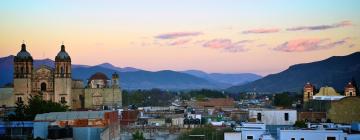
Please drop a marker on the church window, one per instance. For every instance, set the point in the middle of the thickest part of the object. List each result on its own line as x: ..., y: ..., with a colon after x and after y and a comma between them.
x: 43, y: 87
x: 22, y: 70
x: 19, y: 99
x: 62, y: 72
x: 62, y: 100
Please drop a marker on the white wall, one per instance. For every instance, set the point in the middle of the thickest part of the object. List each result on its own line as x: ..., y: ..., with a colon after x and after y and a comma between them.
x: 232, y: 136
x: 273, y: 116
x: 311, y: 134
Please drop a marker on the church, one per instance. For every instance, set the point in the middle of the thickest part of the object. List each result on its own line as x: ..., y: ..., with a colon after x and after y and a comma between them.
x: 56, y: 84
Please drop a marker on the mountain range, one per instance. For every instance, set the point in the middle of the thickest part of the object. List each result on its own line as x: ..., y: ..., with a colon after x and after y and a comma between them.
x: 335, y: 71
x: 133, y: 78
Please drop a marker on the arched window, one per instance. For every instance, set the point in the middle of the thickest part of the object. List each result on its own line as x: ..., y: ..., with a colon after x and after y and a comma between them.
x: 62, y: 72
x: 22, y: 70
x: 62, y: 100
x: 19, y: 99
x: 43, y: 86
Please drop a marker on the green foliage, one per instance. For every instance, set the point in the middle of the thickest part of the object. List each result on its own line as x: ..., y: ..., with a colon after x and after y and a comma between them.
x: 209, y: 132
x: 300, y: 124
x: 202, y: 94
x: 284, y: 100
x: 36, y: 105
x: 138, y: 135
x: 153, y: 97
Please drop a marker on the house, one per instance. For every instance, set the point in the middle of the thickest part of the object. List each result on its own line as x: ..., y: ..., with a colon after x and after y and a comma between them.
x: 249, y: 131
x: 273, y: 116
x: 77, y: 125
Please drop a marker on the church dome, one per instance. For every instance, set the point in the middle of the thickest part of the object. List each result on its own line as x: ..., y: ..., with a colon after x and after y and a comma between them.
x: 62, y: 55
x: 23, y: 54
x: 99, y: 76
x: 327, y: 91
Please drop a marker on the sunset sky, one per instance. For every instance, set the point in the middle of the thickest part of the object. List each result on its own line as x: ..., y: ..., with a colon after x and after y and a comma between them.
x: 227, y: 36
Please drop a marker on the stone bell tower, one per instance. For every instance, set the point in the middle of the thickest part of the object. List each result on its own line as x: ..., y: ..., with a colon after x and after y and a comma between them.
x: 23, y: 68
x: 62, y: 77
x: 350, y: 90
x: 308, y: 92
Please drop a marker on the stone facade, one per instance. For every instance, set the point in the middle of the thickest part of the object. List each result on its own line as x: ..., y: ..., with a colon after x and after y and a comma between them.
x: 56, y: 84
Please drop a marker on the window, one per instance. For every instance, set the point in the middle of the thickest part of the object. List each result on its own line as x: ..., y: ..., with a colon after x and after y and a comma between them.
x: 43, y: 86
x: 62, y: 100
x: 259, y: 116
x: 62, y: 72
x: 286, y: 116
x: 250, y: 137
x: 331, y: 138
x: 292, y: 138
x: 302, y: 139
x: 19, y: 99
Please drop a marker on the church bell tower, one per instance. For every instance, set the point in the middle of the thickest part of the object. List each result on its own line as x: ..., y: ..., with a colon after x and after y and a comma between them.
x: 62, y: 77
x: 23, y: 68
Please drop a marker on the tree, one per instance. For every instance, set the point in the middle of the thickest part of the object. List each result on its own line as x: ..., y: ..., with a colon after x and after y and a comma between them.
x: 19, y: 112
x: 300, y: 124
x: 138, y: 135
x: 36, y: 105
x: 209, y: 132
x: 283, y: 100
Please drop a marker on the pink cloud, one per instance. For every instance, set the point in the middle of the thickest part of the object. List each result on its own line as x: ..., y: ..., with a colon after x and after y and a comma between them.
x: 226, y: 45
x: 261, y: 31
x: 177, y: 35
x: 179, y: 42
x: 304, y: 45
x: 321, y: 27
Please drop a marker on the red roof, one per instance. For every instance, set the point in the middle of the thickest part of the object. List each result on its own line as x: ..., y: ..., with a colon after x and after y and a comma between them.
x: 217, y: 102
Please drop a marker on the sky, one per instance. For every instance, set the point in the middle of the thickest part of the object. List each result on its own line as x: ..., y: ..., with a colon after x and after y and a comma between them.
x: 227, y: 36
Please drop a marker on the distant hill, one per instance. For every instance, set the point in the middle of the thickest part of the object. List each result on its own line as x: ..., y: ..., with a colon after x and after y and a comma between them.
x: 130, y: 78
x: 231, y: 79
x: 335, y: 71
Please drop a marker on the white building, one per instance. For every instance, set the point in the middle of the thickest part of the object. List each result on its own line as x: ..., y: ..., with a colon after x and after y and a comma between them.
x: 323, y: 131
x: 274, y: 116
x: 249, y: 131
x: 311, y: 134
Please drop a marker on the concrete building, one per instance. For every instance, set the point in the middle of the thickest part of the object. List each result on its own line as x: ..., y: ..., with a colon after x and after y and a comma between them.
x: 311, y: 134
x: 91, y: 125
x: 249, y: 131
x: 273, y: 116
x: 56, y: 84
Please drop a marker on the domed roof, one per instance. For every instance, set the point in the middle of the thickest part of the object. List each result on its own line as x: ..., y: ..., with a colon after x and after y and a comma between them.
x: 308, y: 85
x: 62, y: 55
x: 23, y: 54
x: 350, y: 85
x: 98, y: 76
x: 327, y: 91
